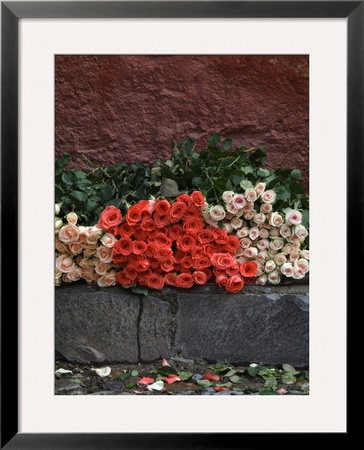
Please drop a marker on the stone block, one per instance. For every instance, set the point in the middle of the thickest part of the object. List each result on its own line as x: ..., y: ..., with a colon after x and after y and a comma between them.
x: 96, y: 326
x: 244, y: 328
x: 155, y: 329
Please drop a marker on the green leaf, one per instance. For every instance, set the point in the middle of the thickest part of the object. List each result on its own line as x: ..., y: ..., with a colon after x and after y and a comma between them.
x: 79, y: 196
x: 263, y: 173
x: 139, y: 290
x: 227, y: 144
x: 253, y: 371
x: 67, y: 178
x: 230, y: 373
x: 295, y: 174
x: 167, y: 370
x: 214, y: 139
x: 130, y: 384
x: 106, y: 193
x: 134, y: 373
x: 204, y: 383
x: 271, y: 383
x: 288, y: 378
x: 169, y: 188
x: 290, y: 369
x: 124, y: 376
x: 236, y: 379
x: 185, y: 375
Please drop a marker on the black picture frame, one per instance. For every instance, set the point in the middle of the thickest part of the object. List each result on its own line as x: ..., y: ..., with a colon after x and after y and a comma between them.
x: 11, y: 12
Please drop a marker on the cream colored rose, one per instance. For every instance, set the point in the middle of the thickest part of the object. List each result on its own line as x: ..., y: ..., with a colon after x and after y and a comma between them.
x: 287, y: 269
x: 285, y: 231
x: 276, y: 243
x: 108, y: 240
x: 262, y: 256
x: 58, y: 224
x: 264, y: 233
x: 75, y: 248
x: 72, y: 218
x: 276, y: 219
x: 58, y: 281
x: 299, y: 232
x: 217, y: 212
x: 227, y: 226
x: 302, y: 264
x: 89, y: 251
x: 89, y: 275
x: 259, y: 218
x: 105, y: 254
x: 75, y: 274
x: 268, y: 196
x: 57, y: 209
x: 248, y: 215
x: 280, y: 258
x: 209, y: 220
x: 239, y: 201
x: 231, y: 209
x: 270, y: 265
x: 249, y: 206
x: 57, y: 273
x: 263, y: 244
x: 245, y: 242
x: 305, y: 254
x: 262, y: 280
x: 273, y: 232
x: 266, y: 208
x: 250, y: 252
x: 243, y: 232
x: 101, y: 268
x: 294, y: 217
x: 109, y: 279
x: 61, y: 247
x: 236, y: 223
x: 65, y: 263
x: 274, y: 277
x: 260, y: 188
x: 227, y: 196
x: 68, y: 233
x: 251, y: 195
x: 254, y: 233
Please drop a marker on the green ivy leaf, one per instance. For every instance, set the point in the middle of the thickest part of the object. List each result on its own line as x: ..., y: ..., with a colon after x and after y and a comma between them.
x: 169, y: 188
x: 227, y: 144
x: 204, y: 383
x: 214, y: 139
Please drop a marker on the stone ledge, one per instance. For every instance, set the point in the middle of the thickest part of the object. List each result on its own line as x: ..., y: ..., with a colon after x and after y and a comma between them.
x: 263, y: 324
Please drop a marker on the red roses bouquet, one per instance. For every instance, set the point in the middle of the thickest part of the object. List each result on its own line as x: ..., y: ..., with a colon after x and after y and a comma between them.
x: 160, y: 243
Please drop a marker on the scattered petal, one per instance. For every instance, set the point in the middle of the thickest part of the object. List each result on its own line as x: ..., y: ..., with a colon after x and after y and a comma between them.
x: 102, y: 371
x: 209, y: 376
x: 157, y: 386
x: 146, y: 380
x: 253, y: 365
x: 221, y: 388
x: 281, y: 391
x: 172, y: 378
x: 165, y: 363
x: 62, y: 371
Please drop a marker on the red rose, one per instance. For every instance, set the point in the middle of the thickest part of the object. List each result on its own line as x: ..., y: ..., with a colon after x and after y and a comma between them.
x: 197, y: 198
x: 155, y: 281
x: 249, y: 269
x: 222, y: 260
x: 185, y: 280
x: 234, y: 284
x: 110, y: 218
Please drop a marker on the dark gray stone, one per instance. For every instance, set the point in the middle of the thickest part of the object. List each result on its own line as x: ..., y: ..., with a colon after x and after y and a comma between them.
x: 155, y: 329
x: 240, y: 328
x: 94, y: 326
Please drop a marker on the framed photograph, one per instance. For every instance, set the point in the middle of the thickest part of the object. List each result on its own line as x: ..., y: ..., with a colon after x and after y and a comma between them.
x: 331, y: 35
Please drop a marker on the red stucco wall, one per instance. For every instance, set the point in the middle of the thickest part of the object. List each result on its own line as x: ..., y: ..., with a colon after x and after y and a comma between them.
x: 124, y: 108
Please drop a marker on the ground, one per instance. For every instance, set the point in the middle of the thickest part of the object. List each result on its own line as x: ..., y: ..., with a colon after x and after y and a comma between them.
x: 179, y: 377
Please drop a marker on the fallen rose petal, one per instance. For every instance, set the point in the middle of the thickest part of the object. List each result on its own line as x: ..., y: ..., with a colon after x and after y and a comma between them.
x: 172, y: 378
x: 281, y: 391
x: 165, y: 363
x: 157, y: 386
x: 62, y: 371
x: 146, y: 380
x: 103, y: 371
x: 221, y: 388
x: 209, y: 376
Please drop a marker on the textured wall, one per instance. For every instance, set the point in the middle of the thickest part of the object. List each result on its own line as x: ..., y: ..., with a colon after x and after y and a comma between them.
x: 125, y: 108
